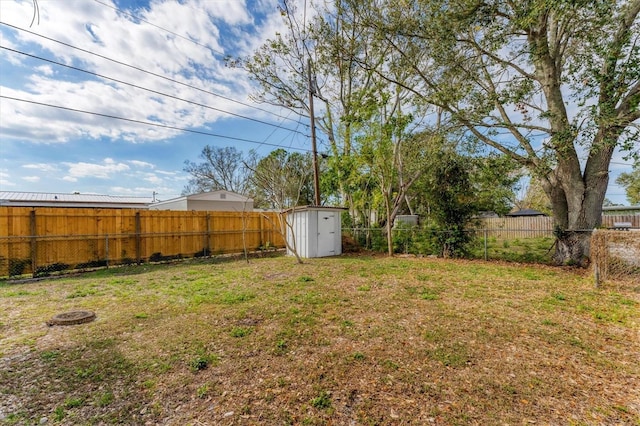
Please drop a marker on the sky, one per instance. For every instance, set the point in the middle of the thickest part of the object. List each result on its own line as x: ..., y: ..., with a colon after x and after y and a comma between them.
x: 161, y: 62
x: 81, y: 79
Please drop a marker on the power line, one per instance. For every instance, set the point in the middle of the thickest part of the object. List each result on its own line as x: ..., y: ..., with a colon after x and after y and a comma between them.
x: 159, y: 27
x: 146, y: 71
x: 149, y: 123
x: 150, y: 90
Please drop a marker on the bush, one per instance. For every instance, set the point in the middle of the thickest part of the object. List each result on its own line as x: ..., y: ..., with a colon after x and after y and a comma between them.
x: 44, y: 271
x: 17, y: 266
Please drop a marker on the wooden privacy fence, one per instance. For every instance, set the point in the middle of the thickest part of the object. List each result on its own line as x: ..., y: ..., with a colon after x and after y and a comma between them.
x: 517, y: 227
x: 38, y: 241
x: 540, y: 226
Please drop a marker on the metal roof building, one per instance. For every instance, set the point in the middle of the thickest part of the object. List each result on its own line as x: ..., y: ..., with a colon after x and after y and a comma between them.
x: 42, y: 199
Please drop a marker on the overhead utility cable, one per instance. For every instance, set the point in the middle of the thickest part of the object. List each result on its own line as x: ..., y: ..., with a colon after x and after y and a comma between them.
x: 148, y: 72
x: 149, y: 123
x: 151, y: 90
x: 217, y: 52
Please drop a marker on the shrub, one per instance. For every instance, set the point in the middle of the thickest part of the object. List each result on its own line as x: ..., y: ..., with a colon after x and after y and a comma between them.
x: 17, y: 266
x: 44, y: 271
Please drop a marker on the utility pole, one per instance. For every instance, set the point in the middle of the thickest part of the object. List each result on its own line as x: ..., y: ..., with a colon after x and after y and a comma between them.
x: 316, y: 179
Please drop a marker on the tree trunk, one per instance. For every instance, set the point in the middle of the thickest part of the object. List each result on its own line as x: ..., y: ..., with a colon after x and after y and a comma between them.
x: 389, y: 226
x: 572, y: 248
x: 577, y: 198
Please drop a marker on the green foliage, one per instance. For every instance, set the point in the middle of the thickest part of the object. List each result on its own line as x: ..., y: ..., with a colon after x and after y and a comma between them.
x: 322, y: 401
x: 18, y: 266
x: 45, y: 271
x: 240, y: 331
x: 202, y: 391
x: 105, y: 399
x: 631, y: 182
x: 202, y: 361
x: 451, y: 201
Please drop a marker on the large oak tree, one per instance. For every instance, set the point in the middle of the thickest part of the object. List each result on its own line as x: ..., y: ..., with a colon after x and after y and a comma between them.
x: 553, y: 84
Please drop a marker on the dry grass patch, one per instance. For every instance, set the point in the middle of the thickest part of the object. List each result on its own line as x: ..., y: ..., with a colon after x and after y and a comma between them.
x: 348, y: 340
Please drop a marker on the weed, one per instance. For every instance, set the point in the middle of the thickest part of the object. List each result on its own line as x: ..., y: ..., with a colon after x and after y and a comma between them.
x: 202, y: 362
x: 19, y: 293
x: 13, y: 418
x: 240, y: 331
x: 105, y: 399
x: 450, y: 354
x: 141, y: 315
x: 390, y: 365
x: 202, y: 391
x: 322, y: 401
x: 49, y: 355
x: 58, y: 414
x: 428, y: 295
x: 73, y: 402
x: 305, y: 279
x: 358, y: 356
x: 88, y: 372
x: 232, y: 298
x: 149, y: 384
x: 281, y: 346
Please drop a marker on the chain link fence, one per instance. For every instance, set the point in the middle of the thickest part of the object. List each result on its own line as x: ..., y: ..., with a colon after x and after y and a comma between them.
x: 616, y: 255
x: 518, y: 245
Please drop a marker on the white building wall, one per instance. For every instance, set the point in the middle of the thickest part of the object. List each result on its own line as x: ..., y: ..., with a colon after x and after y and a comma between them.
x: 178, y: 204
x: 220, y: 206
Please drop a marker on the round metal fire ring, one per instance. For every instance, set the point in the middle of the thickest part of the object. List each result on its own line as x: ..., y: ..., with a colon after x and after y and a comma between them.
x: 72, y: 318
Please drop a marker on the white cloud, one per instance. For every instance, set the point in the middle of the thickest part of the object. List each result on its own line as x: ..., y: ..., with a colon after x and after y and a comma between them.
x: 102, y: 30
x: 142, y: 164
x: 161, y: 192
x: 4, y: 179
x: 42, y: 167
x: 152, y: 178
x: 45, y: 69
x: 93, y: 170
x: 31, y: 179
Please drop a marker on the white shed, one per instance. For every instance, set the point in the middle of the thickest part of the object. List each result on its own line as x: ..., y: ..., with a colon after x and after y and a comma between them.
x: 317, y: 231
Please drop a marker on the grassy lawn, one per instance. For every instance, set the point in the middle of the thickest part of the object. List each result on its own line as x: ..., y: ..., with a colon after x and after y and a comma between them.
x: 537, y: 250
x: 349, y: 340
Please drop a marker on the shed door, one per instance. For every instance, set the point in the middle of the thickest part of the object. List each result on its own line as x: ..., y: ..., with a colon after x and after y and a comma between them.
x: 326, y: 233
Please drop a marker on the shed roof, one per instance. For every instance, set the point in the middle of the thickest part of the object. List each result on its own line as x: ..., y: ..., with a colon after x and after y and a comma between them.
x: 526, y: 212
x: 311, y: 208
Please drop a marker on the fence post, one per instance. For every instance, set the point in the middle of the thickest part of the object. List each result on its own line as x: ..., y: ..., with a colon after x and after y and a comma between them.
x: 262, y: 242
x: 106, y: 249
x: 34, y: 242
x: 207, y: 244
x: 597, y: 275
x: 486, y: 249
x: 138, y: 238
